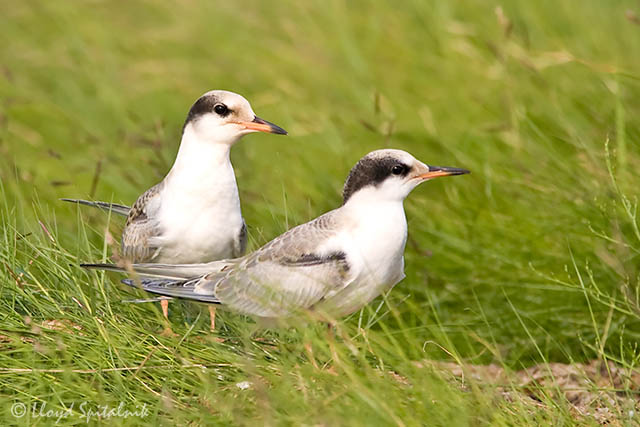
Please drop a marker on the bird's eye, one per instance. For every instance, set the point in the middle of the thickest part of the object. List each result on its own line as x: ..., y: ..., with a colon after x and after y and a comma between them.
x: 221, y: 109
x: 398, y: 169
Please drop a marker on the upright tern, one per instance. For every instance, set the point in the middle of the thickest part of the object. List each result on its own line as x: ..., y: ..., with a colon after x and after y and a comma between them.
x: 193, y: 215
x: 332, y: 265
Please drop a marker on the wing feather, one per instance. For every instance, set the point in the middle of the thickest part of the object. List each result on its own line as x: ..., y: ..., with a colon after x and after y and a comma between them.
x: 142, y: 228
x: 286, y: 275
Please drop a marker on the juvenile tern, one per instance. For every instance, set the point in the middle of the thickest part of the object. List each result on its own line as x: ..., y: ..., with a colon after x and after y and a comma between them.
x: 332, y: 265
x: 194, y: 215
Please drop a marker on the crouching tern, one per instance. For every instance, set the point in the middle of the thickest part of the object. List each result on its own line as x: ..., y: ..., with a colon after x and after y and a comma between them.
x: 332, y: 265
x: 193, y: 215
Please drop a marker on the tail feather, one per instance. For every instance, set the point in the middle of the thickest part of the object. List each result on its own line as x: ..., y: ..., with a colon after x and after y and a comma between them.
x: 108, y: 267
x: 167, y: 271
x: 184, y: 289
x: 105, y: 206
x: 145, y: 300
x: 177, y: 281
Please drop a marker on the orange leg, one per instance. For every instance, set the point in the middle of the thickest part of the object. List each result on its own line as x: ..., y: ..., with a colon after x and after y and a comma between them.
x: 165, y: 308
x: 212, y: 316
x: 165, y: 311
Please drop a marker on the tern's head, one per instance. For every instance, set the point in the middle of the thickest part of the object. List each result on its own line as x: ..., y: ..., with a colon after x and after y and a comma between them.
x: 390, y: 175
x: 224, y: 117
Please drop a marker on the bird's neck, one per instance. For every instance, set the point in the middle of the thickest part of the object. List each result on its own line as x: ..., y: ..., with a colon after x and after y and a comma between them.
x: 371, y: 212
x: 200, y: 161
x: 371, y: 197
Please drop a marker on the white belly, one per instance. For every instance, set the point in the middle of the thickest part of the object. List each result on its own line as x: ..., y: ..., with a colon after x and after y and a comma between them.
x: 199, y: 228
x: 203, y: 240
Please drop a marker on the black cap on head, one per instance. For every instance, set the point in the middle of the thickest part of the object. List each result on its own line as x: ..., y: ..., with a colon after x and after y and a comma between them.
x: 372, y: 170
x: 205, y: 104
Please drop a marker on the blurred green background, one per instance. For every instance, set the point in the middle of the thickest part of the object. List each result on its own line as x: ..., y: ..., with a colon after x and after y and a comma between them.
x: 533, y: 257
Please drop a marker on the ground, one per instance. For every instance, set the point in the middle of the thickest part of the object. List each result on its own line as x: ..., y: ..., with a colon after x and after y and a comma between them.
x: 524, y: 274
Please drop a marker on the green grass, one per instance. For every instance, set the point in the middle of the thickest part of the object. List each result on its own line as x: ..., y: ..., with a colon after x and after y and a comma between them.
x: 532, y: 258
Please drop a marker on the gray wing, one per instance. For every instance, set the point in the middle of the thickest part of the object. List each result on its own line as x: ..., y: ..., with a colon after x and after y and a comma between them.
x: 274, y: 289
x: 141, y: 227
x: 286, y: 275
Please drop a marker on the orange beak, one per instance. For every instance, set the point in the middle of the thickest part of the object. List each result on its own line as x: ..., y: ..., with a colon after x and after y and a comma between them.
x: 438, y: 171
x: 260, y: 125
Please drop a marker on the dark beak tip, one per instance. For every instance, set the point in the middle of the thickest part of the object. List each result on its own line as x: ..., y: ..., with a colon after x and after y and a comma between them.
x: 451, y: 171
x: 275, y: 129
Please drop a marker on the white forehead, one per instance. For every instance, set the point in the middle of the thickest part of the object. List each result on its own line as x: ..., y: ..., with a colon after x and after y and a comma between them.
x: 401, y: 155
x: 230, y: 99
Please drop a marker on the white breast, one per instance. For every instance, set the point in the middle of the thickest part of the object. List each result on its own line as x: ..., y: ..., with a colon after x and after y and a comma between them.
x: 200, y: 226
x: 374, y: 242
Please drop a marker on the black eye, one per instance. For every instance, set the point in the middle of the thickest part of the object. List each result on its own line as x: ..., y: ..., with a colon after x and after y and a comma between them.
x: 398, y: 169
x: 221, y: 109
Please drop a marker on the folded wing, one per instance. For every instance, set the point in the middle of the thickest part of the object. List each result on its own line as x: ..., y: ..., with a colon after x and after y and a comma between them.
x: 142, y: 228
